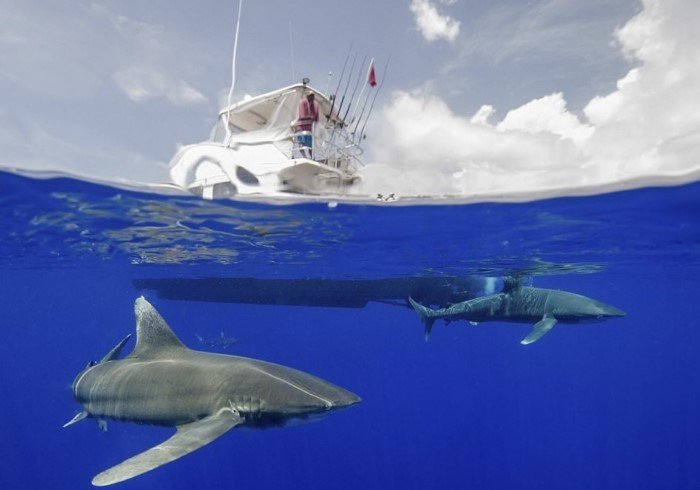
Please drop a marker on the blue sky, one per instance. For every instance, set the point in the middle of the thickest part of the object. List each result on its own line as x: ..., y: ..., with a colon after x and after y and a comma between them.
x: 107, y: 89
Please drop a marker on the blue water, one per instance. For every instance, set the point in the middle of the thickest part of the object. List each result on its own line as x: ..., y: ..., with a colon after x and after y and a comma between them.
x: 613, y: 405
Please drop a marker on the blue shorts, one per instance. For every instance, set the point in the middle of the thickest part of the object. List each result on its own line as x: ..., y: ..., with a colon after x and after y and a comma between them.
x: 304, y: 140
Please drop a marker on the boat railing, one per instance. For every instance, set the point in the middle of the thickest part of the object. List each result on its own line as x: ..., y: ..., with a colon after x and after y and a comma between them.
x: 332, y: 148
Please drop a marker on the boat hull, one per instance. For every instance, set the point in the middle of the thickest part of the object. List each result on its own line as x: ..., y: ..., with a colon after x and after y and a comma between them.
x: 214, y: 171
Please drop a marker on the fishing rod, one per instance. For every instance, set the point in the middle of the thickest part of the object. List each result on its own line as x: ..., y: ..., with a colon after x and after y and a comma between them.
x: 364, y: 87
x: 347, y: 84
x: 369, y: 72
x: 329, y: 119
x: 345, y: 91
x: 357, y: 84
x: 340, y: 80
x: 381, y: 84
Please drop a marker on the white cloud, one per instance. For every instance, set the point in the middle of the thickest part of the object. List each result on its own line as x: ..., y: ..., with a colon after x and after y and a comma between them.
x: 648, y: 126
x: 547, y: 115
x: 483, y: 115
x: 431, y: 23
x: 141, y: 83
x: 424, y: 148
x: 653, y: 117
x: 153, y: 75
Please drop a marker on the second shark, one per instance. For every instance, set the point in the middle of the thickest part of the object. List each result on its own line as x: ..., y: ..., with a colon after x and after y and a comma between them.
x: 523, y: 304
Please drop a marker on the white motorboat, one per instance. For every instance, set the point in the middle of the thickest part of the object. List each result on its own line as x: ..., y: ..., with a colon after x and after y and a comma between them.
x: 259, y: 154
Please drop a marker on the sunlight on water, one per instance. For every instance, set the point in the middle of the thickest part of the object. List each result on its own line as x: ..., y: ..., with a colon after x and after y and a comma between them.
x: 70, y: 221
x: 156, y: 231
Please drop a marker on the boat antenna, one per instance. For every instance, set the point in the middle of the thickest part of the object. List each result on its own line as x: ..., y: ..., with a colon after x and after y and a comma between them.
x: 354, y: 90
x: 233, y: 71
x: 328, y: 83
x: 291, y: 51
x: 371, y: 106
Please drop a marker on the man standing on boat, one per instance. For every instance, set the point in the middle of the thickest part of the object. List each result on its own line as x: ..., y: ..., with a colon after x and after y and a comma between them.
x: 308, y: 115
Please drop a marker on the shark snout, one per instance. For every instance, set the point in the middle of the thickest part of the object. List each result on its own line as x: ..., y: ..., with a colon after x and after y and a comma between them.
x: 335, y: 397
x: 608, y: 311
x: 345, y: 399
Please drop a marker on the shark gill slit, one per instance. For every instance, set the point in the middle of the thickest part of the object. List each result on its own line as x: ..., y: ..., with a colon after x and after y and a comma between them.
x: 77, y: 382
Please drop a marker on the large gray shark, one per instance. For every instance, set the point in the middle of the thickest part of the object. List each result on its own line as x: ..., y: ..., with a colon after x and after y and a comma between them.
x: 203, y: 395
x: 518, y: 303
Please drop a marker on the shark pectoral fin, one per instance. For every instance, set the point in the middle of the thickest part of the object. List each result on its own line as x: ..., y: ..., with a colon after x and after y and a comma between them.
x: 114, y: 353
x: 188, y: 438
x: 78, y: 417
x: 539, y: 329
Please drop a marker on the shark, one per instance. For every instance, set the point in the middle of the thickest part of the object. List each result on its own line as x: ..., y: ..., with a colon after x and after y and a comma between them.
x: 544, y: 308
x: 201, y: 394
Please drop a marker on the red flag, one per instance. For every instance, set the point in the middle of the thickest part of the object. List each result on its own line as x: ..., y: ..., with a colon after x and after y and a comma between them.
x: 372, y: 80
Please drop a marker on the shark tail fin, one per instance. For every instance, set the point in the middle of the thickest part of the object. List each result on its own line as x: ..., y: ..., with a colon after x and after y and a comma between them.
x: 427, y: 316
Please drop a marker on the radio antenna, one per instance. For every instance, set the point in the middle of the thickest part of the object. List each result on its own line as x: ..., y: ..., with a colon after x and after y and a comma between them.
x: 233, y: 72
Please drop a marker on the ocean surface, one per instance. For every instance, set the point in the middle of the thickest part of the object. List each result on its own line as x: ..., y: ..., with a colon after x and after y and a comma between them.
x: 609, y: 405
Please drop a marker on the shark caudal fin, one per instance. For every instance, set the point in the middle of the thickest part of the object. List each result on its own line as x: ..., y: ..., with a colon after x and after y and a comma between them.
x: 427, y: 316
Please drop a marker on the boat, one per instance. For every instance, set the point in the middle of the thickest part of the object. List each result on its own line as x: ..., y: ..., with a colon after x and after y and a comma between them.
x: 253, y: 150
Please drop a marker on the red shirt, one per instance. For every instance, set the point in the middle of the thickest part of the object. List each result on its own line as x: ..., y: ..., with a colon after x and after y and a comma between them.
x: 308, y: 114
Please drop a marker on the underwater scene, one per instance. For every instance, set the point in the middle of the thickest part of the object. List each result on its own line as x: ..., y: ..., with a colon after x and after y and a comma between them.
x: 549, y: 344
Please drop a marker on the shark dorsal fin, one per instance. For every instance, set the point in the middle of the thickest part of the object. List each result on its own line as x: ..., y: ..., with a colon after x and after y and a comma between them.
x: 153, y: 336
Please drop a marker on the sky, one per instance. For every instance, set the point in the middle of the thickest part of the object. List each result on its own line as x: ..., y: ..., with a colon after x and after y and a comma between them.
x: 479, y: 99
